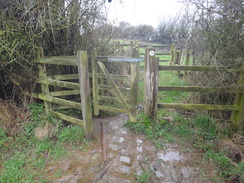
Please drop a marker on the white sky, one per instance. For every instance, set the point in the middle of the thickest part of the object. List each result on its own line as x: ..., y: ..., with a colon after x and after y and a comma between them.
x: 137, y: 12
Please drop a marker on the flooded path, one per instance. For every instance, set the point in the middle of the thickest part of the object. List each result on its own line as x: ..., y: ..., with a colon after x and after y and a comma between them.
x: 129, y: 156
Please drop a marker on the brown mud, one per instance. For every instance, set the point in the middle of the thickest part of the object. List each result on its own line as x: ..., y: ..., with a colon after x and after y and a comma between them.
x: 122, y: 156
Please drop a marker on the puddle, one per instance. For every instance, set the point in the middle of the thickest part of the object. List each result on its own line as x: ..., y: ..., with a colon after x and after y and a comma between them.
x: 170, y: 156
x: 128, y: 155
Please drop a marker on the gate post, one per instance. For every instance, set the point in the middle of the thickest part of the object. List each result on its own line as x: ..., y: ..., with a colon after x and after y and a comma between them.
x: 134, y: 84
x: 42, y: 72
x: 151, y: 83
x: 172, y: 50
x: 85, y: 93
x: 94, y: 82
x: 238, y: 116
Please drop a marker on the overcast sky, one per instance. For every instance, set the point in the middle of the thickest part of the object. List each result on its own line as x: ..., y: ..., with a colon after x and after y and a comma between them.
x: 137, y: 12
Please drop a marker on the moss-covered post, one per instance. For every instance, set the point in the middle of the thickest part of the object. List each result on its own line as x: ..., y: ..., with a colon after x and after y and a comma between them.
x: 85, y: 93
x: 151, y: 83
x: 187, y: 62
x: 238, y: 116
x: 172, y: 50
x: 94, y: 82
x: 42, y: 72
x: 177, y: 57
x: 178, y: 61
x: 100, y: 80
x: 134, y: 84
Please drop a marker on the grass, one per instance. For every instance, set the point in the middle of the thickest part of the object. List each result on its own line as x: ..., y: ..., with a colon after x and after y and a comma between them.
x: 24, y: 157
x: 144, y: 177
x: 201, y: 131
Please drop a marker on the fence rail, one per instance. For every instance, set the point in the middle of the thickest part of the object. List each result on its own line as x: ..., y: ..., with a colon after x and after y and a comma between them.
x: 151, y: 90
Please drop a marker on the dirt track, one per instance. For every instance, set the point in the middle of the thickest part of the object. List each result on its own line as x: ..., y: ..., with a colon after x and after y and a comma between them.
x: 128, y: 156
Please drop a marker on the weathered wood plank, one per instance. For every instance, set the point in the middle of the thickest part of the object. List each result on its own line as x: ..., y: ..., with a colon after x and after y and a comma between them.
x: 191, y: 68
x: 64, y: 93
x: 134, y: 85
x: 162, y: 53
x: 199, y: 89
x: 57, y: 60
x: 59, y: 101
x: 43, y: 73
x: 164, y: 60
x: 63, y: 84
x: 112, y: 109
x: 199, y: 106
x: 173, y: 53
x: 103, y: 87
x: 114, y: 76
x: 118, y: 59
x: 111, y: 98
x: 64, y: 77
x: 238, y: 116
x: 69, y: 119
x: 95, y: 82
x: 151, y: 83
x: 187, y: 61
x: 82, y: 60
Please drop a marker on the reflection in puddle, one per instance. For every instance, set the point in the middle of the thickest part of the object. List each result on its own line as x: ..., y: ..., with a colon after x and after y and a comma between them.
x: 170, y: 156
x: 124, y: 160
x: 139, y: 145
x: 123, y: 169
x: 113, y: 147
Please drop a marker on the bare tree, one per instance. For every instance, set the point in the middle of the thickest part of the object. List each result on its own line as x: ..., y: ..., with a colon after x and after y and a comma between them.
x: 60, y: 27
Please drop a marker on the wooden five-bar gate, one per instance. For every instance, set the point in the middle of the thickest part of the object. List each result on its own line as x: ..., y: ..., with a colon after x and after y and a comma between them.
x: 102, y: 81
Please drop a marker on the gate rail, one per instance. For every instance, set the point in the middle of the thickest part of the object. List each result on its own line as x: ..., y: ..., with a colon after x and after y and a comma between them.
x: 129, y: 104
x: 82, y: 88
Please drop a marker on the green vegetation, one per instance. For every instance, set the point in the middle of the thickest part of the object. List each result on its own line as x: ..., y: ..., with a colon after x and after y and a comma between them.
x: 170, y: 78
x: 41, y: 140
x: 201, y: 131
x: 144, y: 177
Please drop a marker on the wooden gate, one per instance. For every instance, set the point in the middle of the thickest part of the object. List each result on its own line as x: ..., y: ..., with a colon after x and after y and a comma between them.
x: 69, y: 88
x: 109, y: 86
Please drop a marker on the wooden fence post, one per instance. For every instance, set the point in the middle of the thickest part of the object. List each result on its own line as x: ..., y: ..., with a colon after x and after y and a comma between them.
x: 94, y: 82
x: 187, y: 62
x: 42, y: 72
x: 238, y: 116
x: 134, y: 84
x: 177, y: 55
x: 151, y: 83
x: 85, y: 93
x: 172, y: 50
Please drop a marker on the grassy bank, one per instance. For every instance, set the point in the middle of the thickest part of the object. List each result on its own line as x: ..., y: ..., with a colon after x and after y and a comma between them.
x: 39, y: 141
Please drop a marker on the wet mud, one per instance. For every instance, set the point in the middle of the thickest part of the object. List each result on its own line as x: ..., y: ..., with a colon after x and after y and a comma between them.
x: 118, y: 156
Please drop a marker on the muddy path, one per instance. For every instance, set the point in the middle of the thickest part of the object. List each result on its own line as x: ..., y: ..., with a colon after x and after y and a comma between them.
x: 127, y: 156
